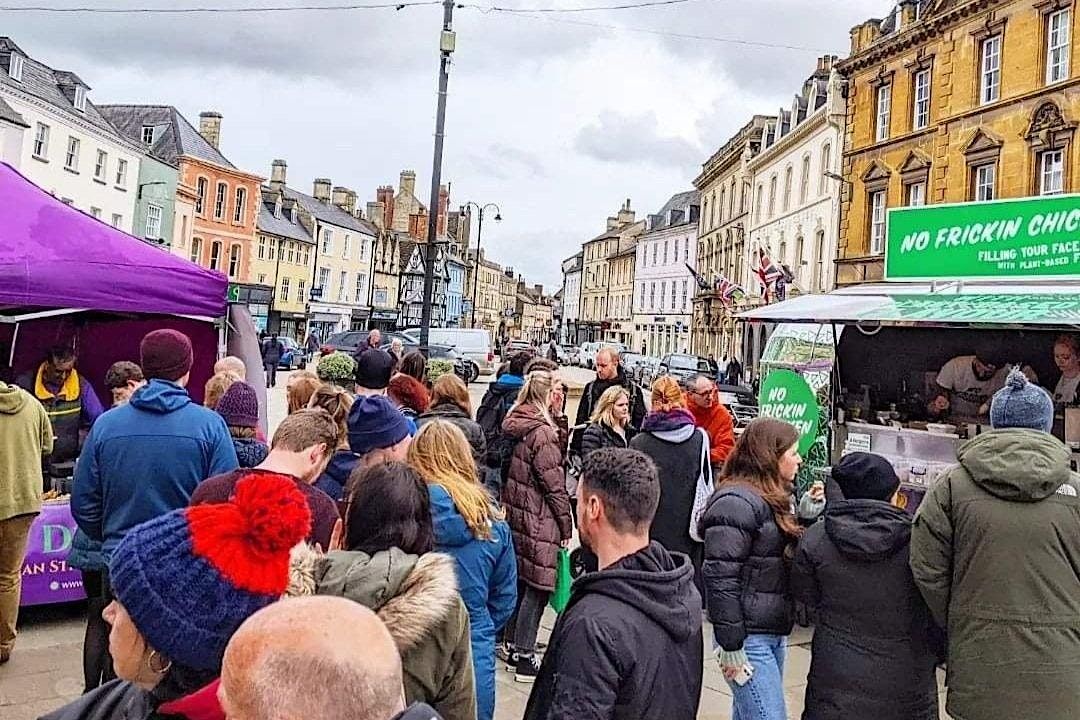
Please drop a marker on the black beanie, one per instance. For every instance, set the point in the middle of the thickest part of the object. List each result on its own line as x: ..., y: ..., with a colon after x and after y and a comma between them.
x: 865, y: 476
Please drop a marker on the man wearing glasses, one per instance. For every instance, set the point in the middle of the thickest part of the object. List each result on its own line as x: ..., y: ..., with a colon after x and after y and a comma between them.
x: 711, y: 415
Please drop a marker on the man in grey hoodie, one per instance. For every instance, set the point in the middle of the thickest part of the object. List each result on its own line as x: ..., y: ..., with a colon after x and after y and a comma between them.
x: 995, y: 551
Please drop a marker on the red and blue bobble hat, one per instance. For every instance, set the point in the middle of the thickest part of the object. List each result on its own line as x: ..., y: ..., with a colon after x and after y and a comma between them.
x: 189, y: 578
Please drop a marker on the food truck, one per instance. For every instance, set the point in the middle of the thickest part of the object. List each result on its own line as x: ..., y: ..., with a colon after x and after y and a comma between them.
x: 997, y: 280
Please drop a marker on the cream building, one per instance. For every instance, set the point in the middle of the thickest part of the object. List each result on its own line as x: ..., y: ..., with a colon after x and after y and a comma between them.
x: 594, y: 322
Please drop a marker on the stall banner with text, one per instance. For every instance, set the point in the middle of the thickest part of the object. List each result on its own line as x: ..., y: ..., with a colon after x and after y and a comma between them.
x: 1029, y: 237
x: 785, y: 395
x: 46, y: 576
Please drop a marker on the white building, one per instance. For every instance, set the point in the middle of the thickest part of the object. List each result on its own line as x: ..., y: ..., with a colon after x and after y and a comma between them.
x: 663, y: 286
x: 796, y: 201
x: 66, y: 147
x: 571, y: 299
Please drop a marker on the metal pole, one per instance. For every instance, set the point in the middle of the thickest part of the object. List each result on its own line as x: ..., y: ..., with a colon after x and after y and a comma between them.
x: 476, y: 264
x: 446, y: 48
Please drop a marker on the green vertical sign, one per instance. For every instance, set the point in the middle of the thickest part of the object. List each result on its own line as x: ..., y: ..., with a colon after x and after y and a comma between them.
x: 785, y: 395
x: 234, y: 293
x: 1035, y: 237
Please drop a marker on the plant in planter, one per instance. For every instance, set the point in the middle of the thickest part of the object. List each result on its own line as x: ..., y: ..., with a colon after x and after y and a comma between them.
x: 437, y: 368
x: 337, y: 368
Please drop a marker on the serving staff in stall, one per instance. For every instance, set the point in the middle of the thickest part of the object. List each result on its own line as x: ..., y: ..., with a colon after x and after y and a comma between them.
x: 1067, y: 359
x: 966, y: 383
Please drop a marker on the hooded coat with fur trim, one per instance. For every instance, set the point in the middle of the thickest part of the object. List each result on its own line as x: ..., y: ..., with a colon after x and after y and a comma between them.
x: 417, y: 599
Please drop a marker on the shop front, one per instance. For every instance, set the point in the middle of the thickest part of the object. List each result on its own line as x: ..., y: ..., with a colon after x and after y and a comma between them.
x: 906, y: 368
x: 383, y: 319
x: 325, y: 319
x: 359, y: 319
x: 289, y: 324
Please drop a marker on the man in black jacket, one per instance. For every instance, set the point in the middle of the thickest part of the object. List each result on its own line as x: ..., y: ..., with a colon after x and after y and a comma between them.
x: 497, y: 401
x: 629, y: 643
x: 609, y: 373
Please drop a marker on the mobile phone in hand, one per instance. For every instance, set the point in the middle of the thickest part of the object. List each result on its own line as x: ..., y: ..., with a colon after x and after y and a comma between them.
x: 743, y: 676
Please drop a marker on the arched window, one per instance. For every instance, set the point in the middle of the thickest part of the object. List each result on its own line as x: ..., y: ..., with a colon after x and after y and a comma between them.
x: 822, y: 274
x: 196, y: 250
x: 221, y: 198
x: 804, y: 183
x: 723, y: 203
x: 772, y: 196
x: 234, y: 261
x: 202, y: 186
x: 215, y: 255
x: 241, y: 206
x: 788, y: 173
x: 826, y: 166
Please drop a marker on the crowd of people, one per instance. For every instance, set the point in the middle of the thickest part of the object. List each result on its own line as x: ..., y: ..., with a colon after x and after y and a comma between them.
x: 385, y: 550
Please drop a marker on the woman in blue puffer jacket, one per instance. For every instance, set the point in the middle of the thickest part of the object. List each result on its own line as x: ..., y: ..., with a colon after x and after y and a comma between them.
x: 470, y: 528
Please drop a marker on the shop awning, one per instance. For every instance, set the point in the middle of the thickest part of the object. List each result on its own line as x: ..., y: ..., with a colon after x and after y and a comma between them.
x: 1050, y: 304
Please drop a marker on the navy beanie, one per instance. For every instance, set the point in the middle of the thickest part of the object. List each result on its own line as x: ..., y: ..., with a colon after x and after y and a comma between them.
x: 1021, y: 405
x: 189, y: 578
x: 865, y: 476
x: 375, y: 423
x: 374, y: 368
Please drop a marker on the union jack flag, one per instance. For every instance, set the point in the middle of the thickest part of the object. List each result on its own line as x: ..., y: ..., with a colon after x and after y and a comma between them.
x: 767, y: 272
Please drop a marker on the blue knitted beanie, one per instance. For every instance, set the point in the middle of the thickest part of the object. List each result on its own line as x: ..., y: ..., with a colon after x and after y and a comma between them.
x: 1021, y: 405
x: 189, y: 578
x: 375, y: 423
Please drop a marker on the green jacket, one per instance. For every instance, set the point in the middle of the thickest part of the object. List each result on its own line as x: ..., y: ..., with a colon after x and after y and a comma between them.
x: 25, y: 435
x: 995, y: 551
x: 417, y: 599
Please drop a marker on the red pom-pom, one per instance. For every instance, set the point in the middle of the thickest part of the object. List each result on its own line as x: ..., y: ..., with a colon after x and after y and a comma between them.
x: 248, y: 538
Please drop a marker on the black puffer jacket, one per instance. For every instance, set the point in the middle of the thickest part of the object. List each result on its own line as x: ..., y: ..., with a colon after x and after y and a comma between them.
x: 746, y: 575
x: 875, y: 646
x: 628, y: 646
x: 598, y: 435
x: 452, y: 413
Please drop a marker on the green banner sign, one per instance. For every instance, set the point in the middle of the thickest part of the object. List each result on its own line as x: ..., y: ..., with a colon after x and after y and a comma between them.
x: 785, y: 395
x: 1035, y: 237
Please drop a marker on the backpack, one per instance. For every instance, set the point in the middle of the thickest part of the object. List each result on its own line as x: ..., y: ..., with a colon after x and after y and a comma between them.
x: 490, y: 416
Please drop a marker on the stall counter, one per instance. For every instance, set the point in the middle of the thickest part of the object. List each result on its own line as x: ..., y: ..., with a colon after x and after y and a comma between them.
x: 46, y: 577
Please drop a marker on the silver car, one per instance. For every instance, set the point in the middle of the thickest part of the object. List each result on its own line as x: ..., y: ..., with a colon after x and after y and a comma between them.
x: 473, y: 344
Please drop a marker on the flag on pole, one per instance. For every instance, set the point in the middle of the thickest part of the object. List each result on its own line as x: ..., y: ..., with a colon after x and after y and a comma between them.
x: 702, y: 283
x: 767, y: 272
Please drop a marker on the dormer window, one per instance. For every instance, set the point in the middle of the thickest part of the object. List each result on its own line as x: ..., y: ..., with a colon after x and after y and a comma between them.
x: 15, y: 67
x: 80, y: 98
x: 148, y: 134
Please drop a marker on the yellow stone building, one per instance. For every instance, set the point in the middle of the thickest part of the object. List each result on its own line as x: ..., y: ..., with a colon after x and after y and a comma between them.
x: 621, y: 308
x: 951, y: 101
x: 596, y: 303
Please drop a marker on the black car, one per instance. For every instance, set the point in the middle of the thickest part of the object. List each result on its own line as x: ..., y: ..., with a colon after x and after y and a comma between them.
x: 740, y: 401
x: 464, y: 369
x: 682, y: 367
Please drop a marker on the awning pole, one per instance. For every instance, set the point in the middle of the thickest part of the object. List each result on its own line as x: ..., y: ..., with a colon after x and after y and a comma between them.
x: 14, y: 340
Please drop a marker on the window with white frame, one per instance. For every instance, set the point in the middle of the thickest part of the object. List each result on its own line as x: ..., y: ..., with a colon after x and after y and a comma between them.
x: 196, y: 250
x: 117, y: 220
x: 820, y: 260
x: 804, y: 182
x: 240, y: 210
x: 789, y: 174
x: 148, y: 134
x: 826, y: 163
x: 71, y: 160
x: 772, y: 196
x: 343, y: 284
x: 324, y: 282
x: 220, y: 198
x: 234, y: 261
x: 984, y: 181
x: 95, y: 212
x: 663, y: 293
x: 274, y: 248
x: 652, y: 296
x: 757, y: 202
x: 121, y: 173
x: 307, y: 256
x: 301, y: 285
x: 262, y: 247
x: 291, y: 252
x: 153, y: 222
x: 916, y: 194
x: 201, y: 188
x: 685, y: 287
x: 327, y: 241
x: 665, y: 251
x: 883, y: 112
x: 41, y: 140
x: 80, y: 98
x: 921, y: 94
x: 284, y: 292
x: 990, y: 70
x: 101, y: 165
x: 347, y: 243
x: 1057, y: 46
x: 877, y: 222
x: 215, y: 255
x: 361, y: 288
x: 15, y: 67
x: 642, y: 306
x: 1052, y: 172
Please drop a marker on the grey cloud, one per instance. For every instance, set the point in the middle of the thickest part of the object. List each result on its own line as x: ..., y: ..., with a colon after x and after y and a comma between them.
x: 620, y: 138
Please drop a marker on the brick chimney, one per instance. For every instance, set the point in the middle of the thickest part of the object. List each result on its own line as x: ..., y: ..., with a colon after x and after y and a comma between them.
x: 407, y: 182
x: 322, y: 190
x: 626, y: 215
x: 376, y: 213
x: 908, y: 11
x: 385, y: 195
x: 210, y: 127
x: 863, y: 36
x: 444, y: 211
x: 345, y: 199
x: 278, y: 171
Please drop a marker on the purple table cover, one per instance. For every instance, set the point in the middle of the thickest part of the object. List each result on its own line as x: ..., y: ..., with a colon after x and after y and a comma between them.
x: 46, y: 577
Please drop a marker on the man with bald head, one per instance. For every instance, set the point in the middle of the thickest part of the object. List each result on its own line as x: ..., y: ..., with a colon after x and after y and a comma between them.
x: 609, y: 373
x: 281, y: 661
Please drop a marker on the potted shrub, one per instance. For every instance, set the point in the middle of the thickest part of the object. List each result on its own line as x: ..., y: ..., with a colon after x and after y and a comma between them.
x: 339, y: 369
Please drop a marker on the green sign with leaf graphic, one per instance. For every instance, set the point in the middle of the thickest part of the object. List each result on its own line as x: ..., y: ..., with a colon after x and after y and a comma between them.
x: 785, y: 395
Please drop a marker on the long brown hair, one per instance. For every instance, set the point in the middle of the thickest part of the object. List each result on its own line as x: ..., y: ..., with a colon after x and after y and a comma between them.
x: 755, y: 462
x: 302, y: 385
x: 450, y: 389
x: 338, y: 402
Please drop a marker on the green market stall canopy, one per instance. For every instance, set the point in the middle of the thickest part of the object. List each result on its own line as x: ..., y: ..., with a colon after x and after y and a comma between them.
x: 1042, y: 304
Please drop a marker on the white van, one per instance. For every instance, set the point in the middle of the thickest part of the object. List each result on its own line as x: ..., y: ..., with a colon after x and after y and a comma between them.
x: 472, y: 343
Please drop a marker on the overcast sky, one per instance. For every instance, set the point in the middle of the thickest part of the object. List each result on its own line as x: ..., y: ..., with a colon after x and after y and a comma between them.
x: 556, y: 120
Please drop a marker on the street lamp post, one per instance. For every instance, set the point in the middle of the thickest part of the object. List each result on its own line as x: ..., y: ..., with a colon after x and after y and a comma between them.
x: 479, y: 236
x: 447, y: 43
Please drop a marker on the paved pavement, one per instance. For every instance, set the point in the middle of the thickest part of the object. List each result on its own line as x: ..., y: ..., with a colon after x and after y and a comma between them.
x: 45, y: 670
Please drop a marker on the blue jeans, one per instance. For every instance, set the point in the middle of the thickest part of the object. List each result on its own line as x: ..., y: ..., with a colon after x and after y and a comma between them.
x: 763, y: 697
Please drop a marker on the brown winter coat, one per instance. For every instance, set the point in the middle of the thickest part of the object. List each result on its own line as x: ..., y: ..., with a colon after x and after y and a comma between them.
x: 537, y: 504
x: 417, y: 599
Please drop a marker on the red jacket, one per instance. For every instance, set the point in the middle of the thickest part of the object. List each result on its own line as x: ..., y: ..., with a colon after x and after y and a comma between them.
x: 716, y: 421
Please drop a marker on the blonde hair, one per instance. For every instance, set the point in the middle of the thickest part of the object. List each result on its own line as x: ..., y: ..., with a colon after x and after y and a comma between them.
x: 604, y: 412
x: 667, y: 395
x: 302, y: 385
x: 539, y: 384
x: 231, y: 364
x: 449, y: 388
x: 216, y: 387
x: 338, y: 402
x: 442, y: 456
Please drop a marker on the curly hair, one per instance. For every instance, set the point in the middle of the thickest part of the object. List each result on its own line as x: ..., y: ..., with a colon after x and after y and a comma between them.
x: 406, y: 391
x: 301, y: 387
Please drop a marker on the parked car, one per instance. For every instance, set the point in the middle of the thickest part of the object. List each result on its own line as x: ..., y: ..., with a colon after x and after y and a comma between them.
x: 568, y: 354
x: 474, y: 344
x: 740, y: 401
x: 516, y: 346
x: 346, y: 342
x: 682, y: 367
x: 634, y: 363
x: 463, y: 368
x: 295, y: 356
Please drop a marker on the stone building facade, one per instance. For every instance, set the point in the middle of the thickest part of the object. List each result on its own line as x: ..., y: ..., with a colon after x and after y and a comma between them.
x: 571, y: 299
x: 595, y: 304
x: 724, y: 185
x: 951, y: 101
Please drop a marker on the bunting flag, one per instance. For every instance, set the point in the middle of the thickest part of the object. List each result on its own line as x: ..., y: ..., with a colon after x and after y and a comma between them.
x: 702, y: 283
